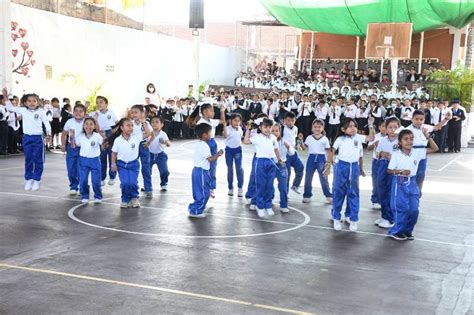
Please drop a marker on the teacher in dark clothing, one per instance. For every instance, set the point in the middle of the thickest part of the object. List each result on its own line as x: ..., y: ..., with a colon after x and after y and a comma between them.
x: 455, y: 127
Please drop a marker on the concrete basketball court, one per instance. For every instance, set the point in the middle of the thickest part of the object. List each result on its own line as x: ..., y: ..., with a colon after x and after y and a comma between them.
x: 59, y: 256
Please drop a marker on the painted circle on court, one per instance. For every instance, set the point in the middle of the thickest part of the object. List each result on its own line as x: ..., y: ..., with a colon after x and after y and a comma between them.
x: 296, y: 226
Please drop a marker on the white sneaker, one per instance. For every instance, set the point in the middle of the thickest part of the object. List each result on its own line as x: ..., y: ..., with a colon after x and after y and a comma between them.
x: 102, y: 183
x: 296, y: 190
x: 164, y: 188
x: 135, y: 203
x: 306, y: 200
x: 377, y: 222
x: 249, y: 201
x: 97, y: 200
x: 284, y: 210
x: 353, y: 226
x: 385, y: 224
x: 84, y: 200
x: 231, y: 192
x: 329, y: 200
x: 28, y: 184
x: 212, y: 194
x: 337, y: 225
x: 111, y: 182
x: 202, y: 215
x: 270, y: 212
x: 261, y: 213
x: 253, y: 207
x: 348, y: 220
x: 240, y: 192
x: 376, y: 206
x: 124, y: 205
x: 73, y: 192
x: 35, y: 185
x: 149, y: 195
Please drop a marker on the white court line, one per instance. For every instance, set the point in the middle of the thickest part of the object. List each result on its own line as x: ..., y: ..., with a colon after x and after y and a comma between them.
x: 71, y: 211
x: 154, y: 288
x: 451, y: 162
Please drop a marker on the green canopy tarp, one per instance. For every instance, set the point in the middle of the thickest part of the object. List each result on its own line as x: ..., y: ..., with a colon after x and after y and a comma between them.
x: 350, y: 17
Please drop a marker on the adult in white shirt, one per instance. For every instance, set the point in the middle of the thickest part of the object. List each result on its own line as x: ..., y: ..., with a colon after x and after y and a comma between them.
x: 151, y: 96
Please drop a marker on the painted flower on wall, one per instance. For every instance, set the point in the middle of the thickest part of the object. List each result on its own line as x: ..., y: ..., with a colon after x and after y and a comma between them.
x: 21, y: 52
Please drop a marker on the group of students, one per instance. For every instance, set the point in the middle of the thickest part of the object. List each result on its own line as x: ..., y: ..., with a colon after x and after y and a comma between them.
x: 128, y: 144
x: 398, y: 166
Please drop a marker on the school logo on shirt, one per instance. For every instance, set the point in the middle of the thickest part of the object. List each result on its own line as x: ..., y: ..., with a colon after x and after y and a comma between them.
x: 109, y: 117
x: 356, y: 143
x: 37, y: 116
x: 395, y: 146
x: 133, y: 145
x: 415, y: 162
x: 92, y: 143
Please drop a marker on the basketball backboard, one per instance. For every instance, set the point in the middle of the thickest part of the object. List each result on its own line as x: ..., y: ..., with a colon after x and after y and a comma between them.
x: 388, y: 40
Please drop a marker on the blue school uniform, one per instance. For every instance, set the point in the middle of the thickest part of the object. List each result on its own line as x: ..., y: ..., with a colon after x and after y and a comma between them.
x: 405, y: 194
x: 89, y: 163
x: 346, y: 176
x: 201, y: 178
x: 419, y: 146
x: 282, y: 172
x: 233, y: 155
x: 250, y: 194
x: 106, y: 121
x: 384, y: 180
x: 144, y: 154
x: 316, y: 162
x: 374, y: 198
x: 33, y: 143
x: 265, y: 169
x: 293, y: 161
x: 128, y: 165
x: 159, y: 157
x: 72, y: 152
x: 213, y: 146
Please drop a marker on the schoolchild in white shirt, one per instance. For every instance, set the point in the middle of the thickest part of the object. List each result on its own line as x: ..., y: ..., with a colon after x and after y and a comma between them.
x: 156, y: 145
x: 141, y: 126
x: 33, y: 144
x: 285, y: 149
x: 290, y: 133
x: 233, y: 134
x: 374, y: 198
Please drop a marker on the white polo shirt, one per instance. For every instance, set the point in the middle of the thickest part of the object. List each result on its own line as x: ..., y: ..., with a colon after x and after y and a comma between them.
x: 349, y: 148
x: 264, y: 146
x: 234, y: 137
x: 351, y: 111
x: 290, y: 134
x: 334, y: 115
x: 201, y: 153
x: 317, y: 146
x: 406, y: 113
x: 127, y: 150
x: 155, y: 146
x: 402, y: 161
x: 138, y: 128
x: 73, y: 124
x: 211, y: 122
x: 33, y: 120
x: 90, y: 146
x: 378, y: 136
x: 387, y: 145
x: 419, y: 139
x: 106, y: 120
x: 283, y: 150
x: 321, y: 112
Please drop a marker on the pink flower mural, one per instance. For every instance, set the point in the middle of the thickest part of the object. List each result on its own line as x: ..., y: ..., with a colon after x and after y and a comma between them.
x: 21, y: 52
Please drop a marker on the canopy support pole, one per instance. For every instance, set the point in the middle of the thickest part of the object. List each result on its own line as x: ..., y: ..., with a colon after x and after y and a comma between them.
x: 420, y: 57
x: 357, y: 52
x: 299, y: 50
x: 311, y: 55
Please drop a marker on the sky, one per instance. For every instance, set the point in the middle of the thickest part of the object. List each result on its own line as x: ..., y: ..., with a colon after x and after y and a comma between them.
x: 177, y: 11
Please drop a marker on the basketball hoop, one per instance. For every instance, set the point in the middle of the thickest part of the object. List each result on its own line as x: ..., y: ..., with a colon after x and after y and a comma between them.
x: 384, y: 52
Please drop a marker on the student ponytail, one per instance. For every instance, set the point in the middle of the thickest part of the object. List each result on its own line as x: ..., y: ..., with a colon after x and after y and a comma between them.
x: 193, y: 118
x: 116, y: 132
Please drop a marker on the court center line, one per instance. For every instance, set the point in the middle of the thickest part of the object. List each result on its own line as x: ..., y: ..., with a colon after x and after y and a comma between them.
x: 287, y: 223
x: 451, y: 162
x: 154, y: 288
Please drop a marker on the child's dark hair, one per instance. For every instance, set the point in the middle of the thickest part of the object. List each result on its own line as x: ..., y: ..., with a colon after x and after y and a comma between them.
x: 417, y: 112
x: 391, y: 120
x: 194, y: 116
x: 202, y: 129
x: 266, y: 122
x: 159, y: 119
x: 102, y: 98
x: 67, y: 106
x: 116, y: 132
x: 320, y: 122
x: 91, y: 119
x: 290, y: 115
x: 262, y: 115
x: 26, y: 96
x: 403, y: 133
x: 54, y: 99
x: 344, y: 125
x: 138, y: 107
x: 80, y: 106
x: 234, y: 116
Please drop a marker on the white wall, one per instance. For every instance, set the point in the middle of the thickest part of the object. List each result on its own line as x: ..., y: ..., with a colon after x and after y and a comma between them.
x: 5, y: 50
x: 84, y: 48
